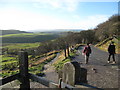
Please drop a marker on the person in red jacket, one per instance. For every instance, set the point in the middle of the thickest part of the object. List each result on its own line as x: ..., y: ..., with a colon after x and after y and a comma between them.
x: 87, y: 51
x: 111, y: 50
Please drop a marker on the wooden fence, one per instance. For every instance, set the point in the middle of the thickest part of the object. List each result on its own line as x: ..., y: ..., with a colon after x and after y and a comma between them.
x: 23, y: 76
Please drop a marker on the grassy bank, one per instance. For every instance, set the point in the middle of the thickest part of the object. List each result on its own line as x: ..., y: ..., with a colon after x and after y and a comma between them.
x: 104, y: 45
x: 58, y: 64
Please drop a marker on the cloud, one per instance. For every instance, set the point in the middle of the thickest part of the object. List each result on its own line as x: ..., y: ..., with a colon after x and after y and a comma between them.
x: 68, y: 5
x: 13, y: 1
x: 15, y: 19
x: 91, y: 22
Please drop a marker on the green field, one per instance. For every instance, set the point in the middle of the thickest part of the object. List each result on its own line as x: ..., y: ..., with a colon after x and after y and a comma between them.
x: 13, y: 43
x: 20, y: 45
x: 10, y: 64
x: 28, y: 37
x: 24, y: 35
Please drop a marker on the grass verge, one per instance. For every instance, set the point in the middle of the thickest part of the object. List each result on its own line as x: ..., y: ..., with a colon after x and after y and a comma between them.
x: 61, y: 60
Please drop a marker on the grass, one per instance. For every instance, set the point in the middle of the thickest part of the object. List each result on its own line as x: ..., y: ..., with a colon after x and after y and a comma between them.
x: 72, y: 54
x: 24, y: 35
x: 61, y: 60
x: 6, y: 58
x: 10, y: 64
x: 58, y: 64
x: 118, y: 38
x: 6, y: 73
x: 21, y: 45
x: 28, y: 37
x: 45, y: 59
x: 37, y: 67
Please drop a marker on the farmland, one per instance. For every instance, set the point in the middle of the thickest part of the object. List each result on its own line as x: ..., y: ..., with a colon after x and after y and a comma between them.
x: 28, y: 37
x: 20, y: 45
x: 10, y: 64
x: 13, y: 43
x: 24, y: 35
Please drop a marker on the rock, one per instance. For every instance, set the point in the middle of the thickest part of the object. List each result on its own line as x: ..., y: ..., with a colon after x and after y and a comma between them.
x: 73, y: 74
x: 95, y: 70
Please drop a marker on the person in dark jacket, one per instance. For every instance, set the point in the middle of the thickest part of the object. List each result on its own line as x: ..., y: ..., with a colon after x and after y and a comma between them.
x: 111, y: 50
x: 87, y: 51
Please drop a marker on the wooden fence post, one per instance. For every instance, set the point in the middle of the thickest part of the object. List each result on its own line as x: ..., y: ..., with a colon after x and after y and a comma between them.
x: 24, y: 76
x: 65, y: 53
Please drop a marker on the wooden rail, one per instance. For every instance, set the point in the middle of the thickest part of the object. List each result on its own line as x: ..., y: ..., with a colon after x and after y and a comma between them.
x: 9, y: 79
x: 43, y: 81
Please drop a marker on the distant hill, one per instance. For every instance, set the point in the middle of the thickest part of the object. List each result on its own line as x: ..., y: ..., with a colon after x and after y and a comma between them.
x: 5, y: 32
x: 57, y: 30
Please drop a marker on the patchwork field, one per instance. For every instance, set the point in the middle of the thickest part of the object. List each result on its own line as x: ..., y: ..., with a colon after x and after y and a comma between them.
x: 28, y: 37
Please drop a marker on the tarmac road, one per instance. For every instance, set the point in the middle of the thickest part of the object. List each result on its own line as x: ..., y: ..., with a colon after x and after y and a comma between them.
x: 99, y: 72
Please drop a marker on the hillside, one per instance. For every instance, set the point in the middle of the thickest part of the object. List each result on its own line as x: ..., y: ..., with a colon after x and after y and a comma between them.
x: 104, y: 44
x: 28, y: 37
x: 108, y: 28
x: 5, y: 32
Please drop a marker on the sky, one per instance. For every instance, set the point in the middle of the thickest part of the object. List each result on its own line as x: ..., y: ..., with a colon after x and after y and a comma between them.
x: 31, y: 15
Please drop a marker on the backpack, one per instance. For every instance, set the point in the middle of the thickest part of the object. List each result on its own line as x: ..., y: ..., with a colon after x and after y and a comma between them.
x: 87, y: 50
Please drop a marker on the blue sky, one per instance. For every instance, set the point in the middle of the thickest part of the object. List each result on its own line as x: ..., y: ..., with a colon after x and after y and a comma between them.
x: 55, y: 14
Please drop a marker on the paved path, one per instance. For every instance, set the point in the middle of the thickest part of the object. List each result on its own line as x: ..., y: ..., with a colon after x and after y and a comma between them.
x: 106, y: 75
x: 50, y: 74
x: 49, y: 71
